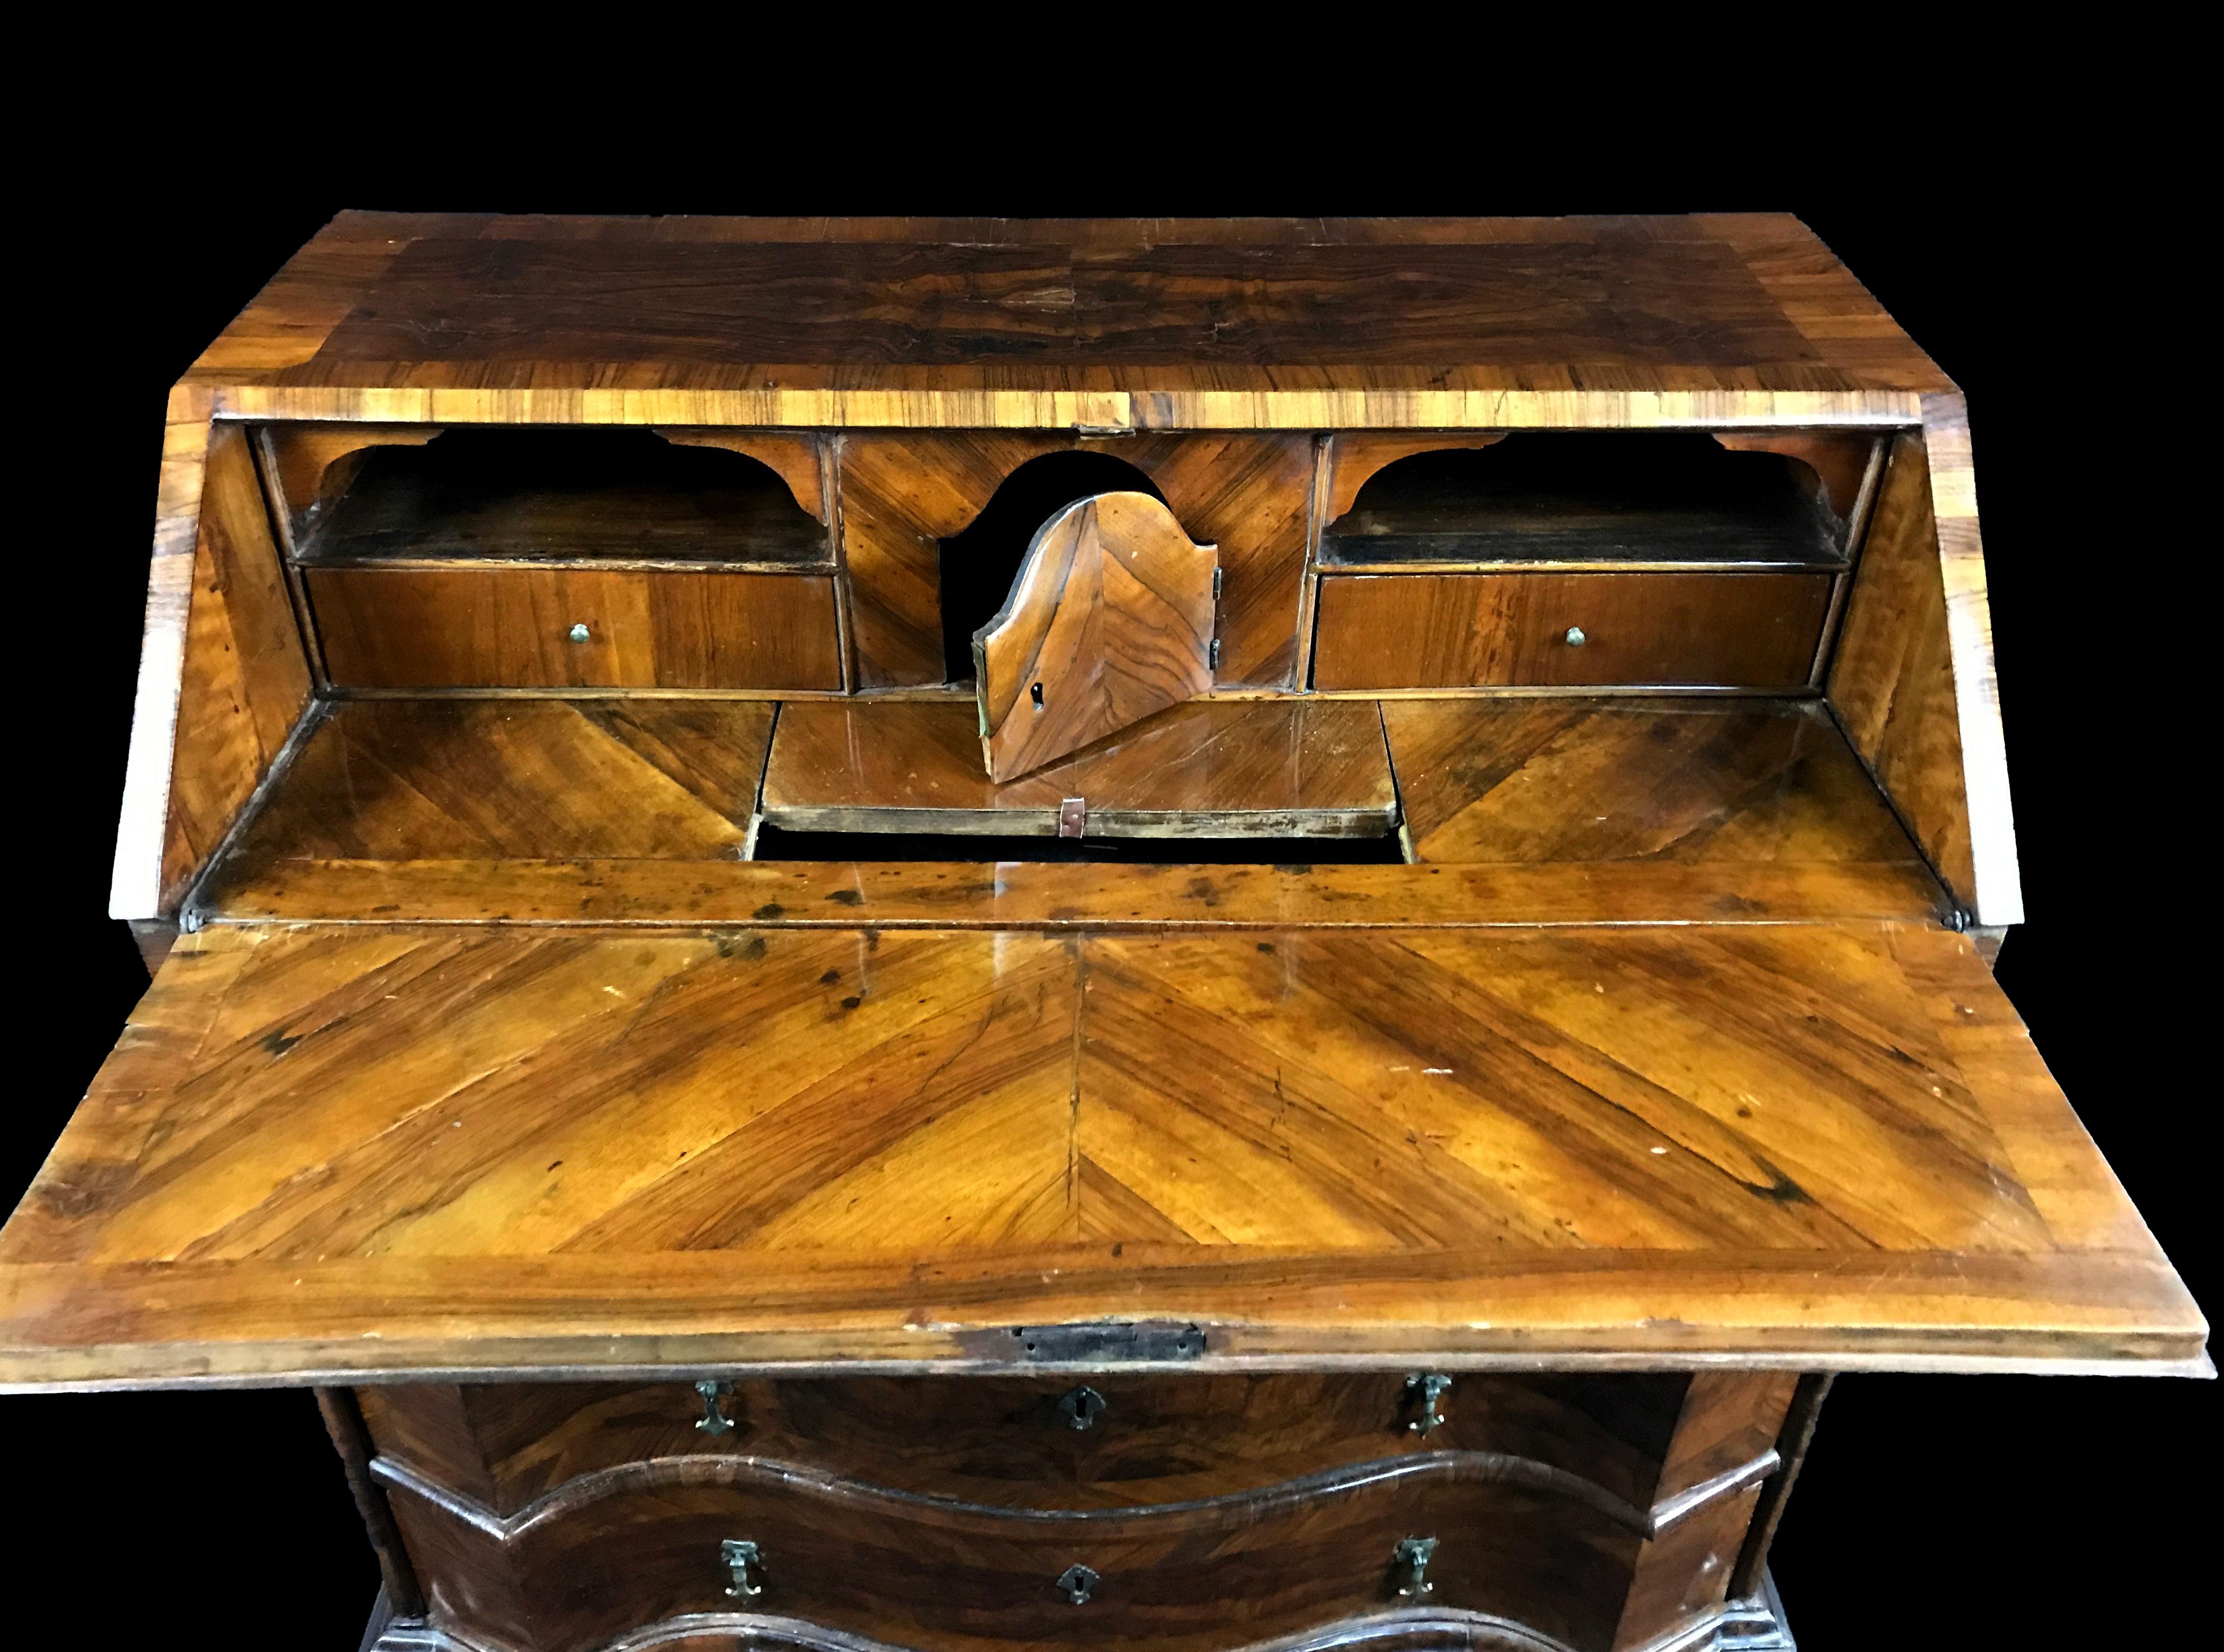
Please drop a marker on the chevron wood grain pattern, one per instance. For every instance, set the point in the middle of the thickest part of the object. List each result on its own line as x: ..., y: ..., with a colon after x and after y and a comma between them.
x: 1912, y: 677
x: 1002, y: 1442
x: 514, y: 628
x: 1238, y: 323
x: 1756, y: 631
x: 1210, y: 768
x: 245, y: 680
x: 1110, y: 619
x: 1029, y: 895
x: 1543, y: 780
x: 901, y: 494
x: 444, y: 780
x: 362, y: 1149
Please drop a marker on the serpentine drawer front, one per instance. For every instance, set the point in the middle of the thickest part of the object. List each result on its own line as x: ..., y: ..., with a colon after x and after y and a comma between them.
x: 901, y: 936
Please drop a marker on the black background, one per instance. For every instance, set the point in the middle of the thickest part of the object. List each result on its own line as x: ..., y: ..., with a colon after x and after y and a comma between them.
x: 1995, y: 1511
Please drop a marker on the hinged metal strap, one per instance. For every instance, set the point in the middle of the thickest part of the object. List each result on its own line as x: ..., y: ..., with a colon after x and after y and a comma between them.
x: 1073, y: 817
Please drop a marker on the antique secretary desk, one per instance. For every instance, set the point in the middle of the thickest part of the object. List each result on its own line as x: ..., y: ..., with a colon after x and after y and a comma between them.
x: 955, y: 935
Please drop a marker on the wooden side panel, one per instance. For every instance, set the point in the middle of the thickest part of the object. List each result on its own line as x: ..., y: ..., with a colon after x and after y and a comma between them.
x: 136, y: 888
x: 1110, y: 619
x: 245, y: 679
x: 511, y: 627
x: 1407, y: 631
x: 1912, y: 680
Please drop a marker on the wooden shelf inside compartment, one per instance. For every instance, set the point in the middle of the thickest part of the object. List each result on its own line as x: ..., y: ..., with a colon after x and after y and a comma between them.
x: 1606, y: 501
x: 563, y: 498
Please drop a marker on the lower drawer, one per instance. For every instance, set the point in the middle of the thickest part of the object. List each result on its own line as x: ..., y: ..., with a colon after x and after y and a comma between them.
x: 1674, y: 630
x: 545, y: 628
x: 678, y: 1538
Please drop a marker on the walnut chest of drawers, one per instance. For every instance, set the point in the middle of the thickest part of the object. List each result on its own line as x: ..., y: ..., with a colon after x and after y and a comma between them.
x: 940, y: 936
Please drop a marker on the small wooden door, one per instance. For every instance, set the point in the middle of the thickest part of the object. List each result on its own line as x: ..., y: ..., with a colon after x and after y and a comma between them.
x: 1110, y: 619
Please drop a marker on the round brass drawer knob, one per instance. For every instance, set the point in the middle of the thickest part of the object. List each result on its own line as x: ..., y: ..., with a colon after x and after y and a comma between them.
x: 578, y: 633
x: 1576, y: 638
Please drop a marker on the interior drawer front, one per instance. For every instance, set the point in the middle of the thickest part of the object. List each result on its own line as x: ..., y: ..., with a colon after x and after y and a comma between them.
x: 1012, y: 1442
x: 651, y: 1546
x: 1672, y: 630
x: 537, y: 628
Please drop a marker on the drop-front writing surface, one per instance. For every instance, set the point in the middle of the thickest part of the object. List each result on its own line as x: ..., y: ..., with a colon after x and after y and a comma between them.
x: 1379, y: 1132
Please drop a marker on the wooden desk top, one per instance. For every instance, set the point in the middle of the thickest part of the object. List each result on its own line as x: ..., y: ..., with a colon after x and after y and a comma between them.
x: 1251, y: 323
x: 351, y: 1150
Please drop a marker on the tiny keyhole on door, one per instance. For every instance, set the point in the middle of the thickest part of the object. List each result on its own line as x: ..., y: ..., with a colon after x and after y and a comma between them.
x: 1035, y: 695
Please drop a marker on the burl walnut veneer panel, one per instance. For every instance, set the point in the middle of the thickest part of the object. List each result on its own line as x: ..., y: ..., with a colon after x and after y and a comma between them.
x: 1214, y: 768
x: 326, y: 1150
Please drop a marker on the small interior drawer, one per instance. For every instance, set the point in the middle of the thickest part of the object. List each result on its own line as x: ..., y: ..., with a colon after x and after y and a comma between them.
x: 1666, y: 630
x: 537, y: 628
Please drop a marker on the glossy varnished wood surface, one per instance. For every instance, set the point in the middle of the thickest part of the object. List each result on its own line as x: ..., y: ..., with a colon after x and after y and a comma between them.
x: 1027, y: 895
x: 1212, y: 768
x: 1262, y: 323
x: 1434, y: 631
x: 245, y: 679
x: 444, y: 780
x: 1248, y: 493
x: 1109, y: 620
x: 511, y: 627
x: 1919, y: 700
x: 1544, y: 781
x: 1003, y: 1442
x: 368, y: 1148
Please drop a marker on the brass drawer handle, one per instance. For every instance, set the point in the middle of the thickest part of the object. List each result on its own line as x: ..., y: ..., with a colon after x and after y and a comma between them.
x: 1410, y: 1559
x: 578, y: 633
x: 746, y: 1562
x: 1427, y: 1387
x: 1576, y: 638
x: 714, y: 1421
x: 1079, y: 1583
x: 1082, y: 1408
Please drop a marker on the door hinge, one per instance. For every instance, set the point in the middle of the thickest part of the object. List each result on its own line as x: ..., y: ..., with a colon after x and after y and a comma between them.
x: 1216, y: 583
x: 1212, y: 654
x: 1073, y: 817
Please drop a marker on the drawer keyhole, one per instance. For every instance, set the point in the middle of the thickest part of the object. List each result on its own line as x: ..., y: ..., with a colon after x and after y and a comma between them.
x: 1034, y: 694
x: 1078, y: 1583
x: 1082, y: 1408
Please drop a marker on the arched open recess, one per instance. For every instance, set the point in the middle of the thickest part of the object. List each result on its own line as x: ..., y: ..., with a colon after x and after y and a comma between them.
x: 979, y: 562
x: 1609, y: 496
x: 551, y: 493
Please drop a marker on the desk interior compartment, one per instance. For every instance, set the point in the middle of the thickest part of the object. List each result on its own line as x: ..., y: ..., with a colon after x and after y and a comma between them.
x: 1616, y: 499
